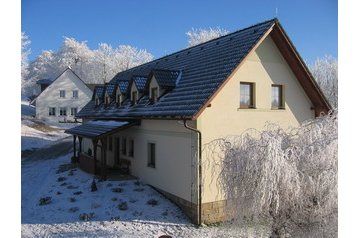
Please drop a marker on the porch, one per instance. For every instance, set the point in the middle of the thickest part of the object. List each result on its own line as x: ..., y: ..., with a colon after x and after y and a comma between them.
x: 95, y: 161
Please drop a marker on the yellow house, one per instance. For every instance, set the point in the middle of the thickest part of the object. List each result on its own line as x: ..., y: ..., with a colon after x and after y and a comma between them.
x: 152, y: 120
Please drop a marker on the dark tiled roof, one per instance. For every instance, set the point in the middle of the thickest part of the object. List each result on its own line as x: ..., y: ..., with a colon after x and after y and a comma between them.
x: 93, y: 129
x: 140, y: 82
x: 99, y: 92
x: 110, y: 88
x: 44, y: 81
x: 123, y: 86
x: 203, y: 70
x: 166, y: 79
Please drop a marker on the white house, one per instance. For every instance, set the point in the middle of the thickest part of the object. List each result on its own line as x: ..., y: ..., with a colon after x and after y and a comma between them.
x: 63, y: 98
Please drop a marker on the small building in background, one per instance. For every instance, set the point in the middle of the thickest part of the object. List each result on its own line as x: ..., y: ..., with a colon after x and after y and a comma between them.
x: 61, y: 99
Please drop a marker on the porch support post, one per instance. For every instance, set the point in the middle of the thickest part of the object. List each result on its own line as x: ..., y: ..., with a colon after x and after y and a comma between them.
x: 80, y: 146
x: 104, y: 159
x: 94, y: 144
x: 74, y: 149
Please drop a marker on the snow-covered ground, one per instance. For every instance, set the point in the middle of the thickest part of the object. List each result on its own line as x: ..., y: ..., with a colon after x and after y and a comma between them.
x: 125, y: 208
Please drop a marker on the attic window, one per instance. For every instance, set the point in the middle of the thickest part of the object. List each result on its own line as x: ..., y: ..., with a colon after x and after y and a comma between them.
x: 97, y: 101
x: 134, y: 97
x: 119, y: 99
x: 154, y: 94
x: 107, y: 100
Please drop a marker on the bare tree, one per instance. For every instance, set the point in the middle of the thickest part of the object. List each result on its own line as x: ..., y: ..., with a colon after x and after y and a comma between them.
x: 197, y: 36
x: 286, y: 177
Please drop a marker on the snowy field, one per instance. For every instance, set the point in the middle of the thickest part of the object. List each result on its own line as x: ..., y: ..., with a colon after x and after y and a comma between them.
x: 57, y: 200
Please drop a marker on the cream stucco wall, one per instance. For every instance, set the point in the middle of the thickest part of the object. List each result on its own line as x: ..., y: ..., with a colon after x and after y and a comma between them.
x: 263, y: 67
x: 176, y: 146
x: 154, y: 84
x: 50, y: 97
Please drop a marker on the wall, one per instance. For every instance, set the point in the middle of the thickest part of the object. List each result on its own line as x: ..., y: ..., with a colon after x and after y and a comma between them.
x: 264, y: 67
x: 175, y: 148
x: 50, y: 97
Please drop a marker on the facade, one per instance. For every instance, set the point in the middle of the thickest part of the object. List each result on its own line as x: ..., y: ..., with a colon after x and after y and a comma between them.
x: 156, y: 117
x: 63, y: 98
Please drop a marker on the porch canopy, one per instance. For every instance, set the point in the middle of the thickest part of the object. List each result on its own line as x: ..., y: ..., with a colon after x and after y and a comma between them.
x: 100, y: 128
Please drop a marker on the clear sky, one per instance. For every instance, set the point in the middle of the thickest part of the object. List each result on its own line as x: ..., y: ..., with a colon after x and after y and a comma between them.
x: 159, y: 26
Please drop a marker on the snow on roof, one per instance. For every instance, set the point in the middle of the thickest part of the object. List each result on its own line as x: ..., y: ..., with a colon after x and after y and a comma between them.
x: 109, y: 123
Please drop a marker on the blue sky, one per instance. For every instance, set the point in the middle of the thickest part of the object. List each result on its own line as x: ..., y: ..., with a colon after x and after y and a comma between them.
x: 160, y: 26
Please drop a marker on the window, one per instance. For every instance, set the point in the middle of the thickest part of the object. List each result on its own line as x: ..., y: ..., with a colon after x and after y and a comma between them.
x: 73, y: 111
x: 246, y: 95
x: 52, y: 111
x: 75, y: 93
x: 110, y: 143
x: 134, y: 97
x: 154, y: 92
x: 277, y: 97
x: 151, y: 155
x: 97, y: 101
x: 131, y: 148
x: 119, y: 99
x: 107, y: 100
x: 62, y: 93
x: 124, y: 146
x: 63, y: 111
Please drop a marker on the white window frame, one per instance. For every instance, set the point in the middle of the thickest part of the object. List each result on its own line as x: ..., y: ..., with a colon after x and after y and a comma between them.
x: 72, y: 109
x: 54, y: 111
x: 63, y: 92
x: 73, y: 94
x: 61, y: 111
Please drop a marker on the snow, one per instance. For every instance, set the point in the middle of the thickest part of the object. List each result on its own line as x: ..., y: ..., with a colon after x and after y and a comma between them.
x: 41, y: 177
x: 109, y: 123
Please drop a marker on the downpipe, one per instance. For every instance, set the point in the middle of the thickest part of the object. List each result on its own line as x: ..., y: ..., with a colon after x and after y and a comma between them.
x: 199, y: 169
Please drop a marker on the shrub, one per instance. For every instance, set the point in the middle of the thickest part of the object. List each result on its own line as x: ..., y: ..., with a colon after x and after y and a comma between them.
x: 117, y: 190
x: 153, y: 202
x: 138, y: 189
x: 72, y: 199
x: 73, y: 209
x: 93, y: 186
x: 86, y: 217
x: 58, y: 193
x: 123, y: 206
x: 60, y: 179
x: 77, y: 193
x: 45, y: 201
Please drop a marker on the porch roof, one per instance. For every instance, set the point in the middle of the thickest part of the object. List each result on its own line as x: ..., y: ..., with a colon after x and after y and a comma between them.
x: 100, y: 128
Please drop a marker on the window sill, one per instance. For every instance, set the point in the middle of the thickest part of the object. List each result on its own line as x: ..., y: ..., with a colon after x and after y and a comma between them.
x: 278, y: 108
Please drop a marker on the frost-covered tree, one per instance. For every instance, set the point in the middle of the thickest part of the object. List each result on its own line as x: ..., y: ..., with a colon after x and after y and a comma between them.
x: 25, y: 52
x: 285, y: 177
x: 197, y: 36
x: 92, y: 66
x: 325, y: 71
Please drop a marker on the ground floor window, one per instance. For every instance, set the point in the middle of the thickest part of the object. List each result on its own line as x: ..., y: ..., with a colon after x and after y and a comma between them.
x: 52, y: 111
x: 73, y: 111
x: 63, y: 111
x: 151, y: 155
x: 131, y: 148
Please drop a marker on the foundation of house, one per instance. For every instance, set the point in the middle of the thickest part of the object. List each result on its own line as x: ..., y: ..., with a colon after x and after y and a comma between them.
x: 212, y: 212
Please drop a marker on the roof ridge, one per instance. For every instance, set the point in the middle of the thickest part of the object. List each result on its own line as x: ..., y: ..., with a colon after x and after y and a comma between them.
x: 198, y: 45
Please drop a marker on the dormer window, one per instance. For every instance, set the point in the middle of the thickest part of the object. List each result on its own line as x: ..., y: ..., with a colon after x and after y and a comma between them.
x: 107, y: 100
x: 97, y: 101
x: 154, y: 94
x: 134, y: 97
x: 119, y: 99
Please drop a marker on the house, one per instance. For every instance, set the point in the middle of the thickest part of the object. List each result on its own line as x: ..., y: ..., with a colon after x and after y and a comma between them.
x: 62, y: 98
x: 157, y: 116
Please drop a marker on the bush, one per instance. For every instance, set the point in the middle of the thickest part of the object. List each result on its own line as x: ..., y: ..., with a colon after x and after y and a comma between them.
x: 138, y: 189
x: 93, y: 186
x: 72, y: 199
x: 45, y: 201
x: 117, y: 190
x: 73, y: 209
x: 86, y: 217
x: 123, y: 206
x: 60, y: 179
x: 153, y: 202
